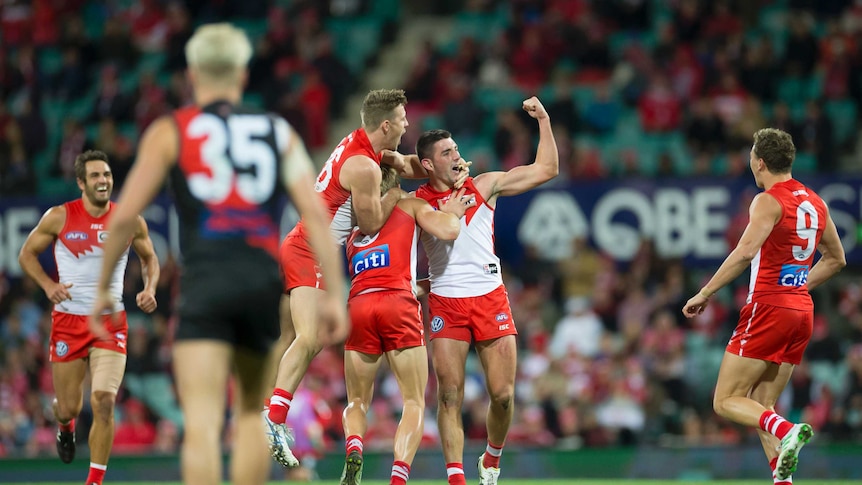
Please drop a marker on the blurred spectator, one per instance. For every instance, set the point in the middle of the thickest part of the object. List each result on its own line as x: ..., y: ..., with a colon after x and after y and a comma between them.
x: 579, y: 331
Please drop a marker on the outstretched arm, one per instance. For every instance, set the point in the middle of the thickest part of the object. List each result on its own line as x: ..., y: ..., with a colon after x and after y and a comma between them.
x: 143, y: 246
x: 832, y: 258
x: 526, y: 177
x: 299, y: 180
x: 157, y: 151
x: 408, y: 166
x: 764, y: 213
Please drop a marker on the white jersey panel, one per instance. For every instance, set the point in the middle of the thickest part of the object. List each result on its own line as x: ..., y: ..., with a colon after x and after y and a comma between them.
x: 82, y: 271
x: 467, y: 266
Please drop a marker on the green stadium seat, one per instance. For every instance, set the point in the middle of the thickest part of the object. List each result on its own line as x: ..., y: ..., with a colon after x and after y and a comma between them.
x: 804, y: 163
x: 50, y: 59
x: 495, y: 99
x: 842, y: 113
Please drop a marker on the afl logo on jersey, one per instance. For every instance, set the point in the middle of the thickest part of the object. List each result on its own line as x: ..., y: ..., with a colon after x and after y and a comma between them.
x: 436, y: 324
x: 76, y: 236
x: 103, y: 236
x: 61, y: 349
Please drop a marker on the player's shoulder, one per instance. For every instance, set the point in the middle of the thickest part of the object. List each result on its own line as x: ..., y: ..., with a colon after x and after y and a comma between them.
x: 54, y: 218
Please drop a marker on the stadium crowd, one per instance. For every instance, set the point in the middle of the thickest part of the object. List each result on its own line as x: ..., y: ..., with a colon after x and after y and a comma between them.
x: 633, y: 88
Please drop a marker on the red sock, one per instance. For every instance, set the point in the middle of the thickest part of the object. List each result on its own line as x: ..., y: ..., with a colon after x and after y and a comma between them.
x: 492, y: 456
x: 775, y: 481
x: 455, y: 472
x: 97, y: 473
x: 279, y: 405
x: 771, y: 422
x: 353, y: 443
x: 70, y: 426
x: 400, y: 473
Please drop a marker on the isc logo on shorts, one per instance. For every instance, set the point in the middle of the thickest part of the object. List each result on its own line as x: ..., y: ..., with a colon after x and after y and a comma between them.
x: 794, y: 275
x: 372, y: 258
x: 436, y: 324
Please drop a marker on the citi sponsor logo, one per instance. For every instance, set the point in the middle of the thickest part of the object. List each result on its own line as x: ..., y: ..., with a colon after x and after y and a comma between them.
x: 793, y: 275
x: 76, y: 236
x: 372, y: 258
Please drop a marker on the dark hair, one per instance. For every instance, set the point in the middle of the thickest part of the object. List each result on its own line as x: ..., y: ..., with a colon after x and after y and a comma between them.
x: 88, y: 156
x: 776, y: 149
x: 427, y: 140
x: 378, y: 106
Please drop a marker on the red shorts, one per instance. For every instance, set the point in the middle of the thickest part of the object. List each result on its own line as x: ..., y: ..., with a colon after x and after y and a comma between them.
x: 383, y: 321
x: 299, y: 265
x: 475, y: 318
x: 71, y: 338
x: 771, y: 333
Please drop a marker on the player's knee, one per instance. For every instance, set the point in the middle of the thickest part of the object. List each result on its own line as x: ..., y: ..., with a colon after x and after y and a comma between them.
x: 502, y: 398
x: 718, y: 406
x: 309, y: 343
x: 103, y: 405
x: 67, y: 409
x: 450, y: 397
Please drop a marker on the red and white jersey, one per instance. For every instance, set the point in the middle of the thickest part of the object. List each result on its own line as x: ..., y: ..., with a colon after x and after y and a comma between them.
x: 336, y: 197
x: 467, y: 266
x: 78, y: 254
x: 386, y: 260
x: 779, y: 271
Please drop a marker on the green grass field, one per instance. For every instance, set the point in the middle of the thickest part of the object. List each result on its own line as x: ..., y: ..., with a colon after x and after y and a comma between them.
x: 503, y: 481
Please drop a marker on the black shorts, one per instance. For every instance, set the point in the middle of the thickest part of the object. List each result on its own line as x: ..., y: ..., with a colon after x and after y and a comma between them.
x: 233, y: 301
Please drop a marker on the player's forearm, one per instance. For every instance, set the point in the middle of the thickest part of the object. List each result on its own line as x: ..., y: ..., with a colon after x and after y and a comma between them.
x: 730, y: 269
x: 120, y: 230
x: 547, y: 155
x: 372, y: 223
x: 823, y: 270
x: 326, y: 250
x: 151, y: 272
x: 29, y: 263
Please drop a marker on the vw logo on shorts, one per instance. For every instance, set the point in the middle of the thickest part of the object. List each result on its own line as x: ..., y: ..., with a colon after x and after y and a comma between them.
x: 436, y: 324
x: 61, y: 349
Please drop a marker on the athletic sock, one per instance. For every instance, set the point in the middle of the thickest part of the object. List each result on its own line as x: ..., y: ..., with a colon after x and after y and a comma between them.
x: 68, y: 427
x: 492, y: 456
x: 400, y: 473
x: 772, y: 422
x: 97, y: 474
x: 455, y: 472
x: 353, y: 443
x: 279, y: 405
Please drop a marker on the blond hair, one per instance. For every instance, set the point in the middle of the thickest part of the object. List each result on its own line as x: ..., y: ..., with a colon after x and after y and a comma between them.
x: 379, y: 105
x: 218, y: 52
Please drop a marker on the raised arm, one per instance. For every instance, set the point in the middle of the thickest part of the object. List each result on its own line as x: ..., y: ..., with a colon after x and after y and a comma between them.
x: 526, y: 177
x: 764, y: 213
x: 408, y: 166
x: 832, y: 258
x: 45, y: 233
x: 363, y: 177
x: 150, y: 269
x: 157, y: 152
x: 299, y: 181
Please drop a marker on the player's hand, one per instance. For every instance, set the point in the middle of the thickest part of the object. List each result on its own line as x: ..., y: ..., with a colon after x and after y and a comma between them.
x: 333, y: 324
x: 104, y: 303
x: 534, y: 108
x: 458, y: 203
x: 58, y: 292
x: 146, y: 301
x: 463, y: 173
x: 393, y: 159
x: 695, y: 305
